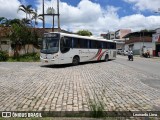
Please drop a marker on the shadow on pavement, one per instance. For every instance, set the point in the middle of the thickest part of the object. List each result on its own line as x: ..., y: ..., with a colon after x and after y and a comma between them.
x: 70, y: 65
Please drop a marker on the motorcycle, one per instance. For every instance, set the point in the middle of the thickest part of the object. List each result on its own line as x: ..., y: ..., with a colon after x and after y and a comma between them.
x: 130, y: 57
x: 146, y: 55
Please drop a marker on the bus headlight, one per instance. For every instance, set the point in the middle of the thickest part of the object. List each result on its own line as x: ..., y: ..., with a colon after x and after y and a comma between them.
x: 55, y: 56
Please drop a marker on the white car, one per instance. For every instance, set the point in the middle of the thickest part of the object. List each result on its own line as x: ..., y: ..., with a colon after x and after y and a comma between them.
x: 125, y: 52
x: 119, y: 51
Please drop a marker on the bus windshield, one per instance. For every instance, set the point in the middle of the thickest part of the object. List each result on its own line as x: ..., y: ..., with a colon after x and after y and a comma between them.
x: 50, y: 45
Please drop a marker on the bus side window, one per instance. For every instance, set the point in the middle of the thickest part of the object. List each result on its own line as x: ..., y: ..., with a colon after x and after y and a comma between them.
x: 93, y: 44
x: 113, y: 45
x: 83, y: 43
x: 68, y: 42
x: 108, y: 45
x: 65, y: 44
x: 76, y: 43
x: 102, y: 45
x: 88, y: 43
x: 99, y: 44
x: 72, y: 42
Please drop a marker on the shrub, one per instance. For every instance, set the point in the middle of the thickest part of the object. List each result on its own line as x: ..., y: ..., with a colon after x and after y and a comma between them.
x: 3, y: 56
x: 29, y: 57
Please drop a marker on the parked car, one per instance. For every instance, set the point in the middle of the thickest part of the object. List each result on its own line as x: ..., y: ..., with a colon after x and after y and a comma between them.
x: 119, y: 51
x: 125, y: 52
x: 122, y: 52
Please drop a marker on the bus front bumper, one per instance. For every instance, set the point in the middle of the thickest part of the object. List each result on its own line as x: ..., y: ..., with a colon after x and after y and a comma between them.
x: 49, y: 61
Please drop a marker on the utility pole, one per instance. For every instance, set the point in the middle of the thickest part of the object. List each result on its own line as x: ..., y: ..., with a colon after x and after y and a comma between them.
x: 51, y: 12
x: 58, y: 15
x: 43, y: 15
x: 141, y: 48
x: 143, y: 39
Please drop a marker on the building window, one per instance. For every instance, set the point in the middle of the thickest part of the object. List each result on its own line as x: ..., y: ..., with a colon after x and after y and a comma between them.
x: 4, y: 42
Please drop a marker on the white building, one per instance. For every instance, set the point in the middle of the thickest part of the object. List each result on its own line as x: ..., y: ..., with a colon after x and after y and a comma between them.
x: 139, y: 41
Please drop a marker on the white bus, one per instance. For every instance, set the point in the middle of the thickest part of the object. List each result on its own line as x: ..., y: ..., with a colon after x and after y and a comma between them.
x: 62, y: 48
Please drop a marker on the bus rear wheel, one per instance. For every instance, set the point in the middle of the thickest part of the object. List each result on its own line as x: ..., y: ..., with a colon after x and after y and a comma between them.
x: 75, y: 60
x: 106, y: 58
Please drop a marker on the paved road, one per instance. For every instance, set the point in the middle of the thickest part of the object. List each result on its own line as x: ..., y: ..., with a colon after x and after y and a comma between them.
x: 28, y: 86
x: 148, y: 65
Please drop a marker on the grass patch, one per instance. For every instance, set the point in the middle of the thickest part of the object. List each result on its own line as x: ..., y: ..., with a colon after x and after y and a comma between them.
x: 31, y: 57
x: 97, y: 109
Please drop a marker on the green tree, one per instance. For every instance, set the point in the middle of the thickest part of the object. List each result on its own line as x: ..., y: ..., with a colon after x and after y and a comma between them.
x: 2, y: 19
x: 4, y: 22
x: 144, y: 30
x: 20, y: 36
x: 84, y: 33
x: 15, y: 38
x: 15, y: 21
x: 8, y: 22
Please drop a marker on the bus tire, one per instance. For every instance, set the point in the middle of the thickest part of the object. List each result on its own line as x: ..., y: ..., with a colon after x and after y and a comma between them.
x: 106, y: 58
x: 75, y: 60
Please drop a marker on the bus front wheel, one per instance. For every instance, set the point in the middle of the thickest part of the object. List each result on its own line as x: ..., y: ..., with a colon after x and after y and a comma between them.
x: 75, y: 60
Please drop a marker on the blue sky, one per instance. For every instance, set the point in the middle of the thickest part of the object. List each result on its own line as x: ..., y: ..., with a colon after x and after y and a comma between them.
x: 124, y: 7
x: 98, y: 16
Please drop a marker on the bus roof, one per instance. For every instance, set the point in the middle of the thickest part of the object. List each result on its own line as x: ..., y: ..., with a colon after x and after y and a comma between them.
x: 83, y: 37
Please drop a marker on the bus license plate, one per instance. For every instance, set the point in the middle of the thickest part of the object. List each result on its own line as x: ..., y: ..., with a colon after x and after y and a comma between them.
x: 46, y: 61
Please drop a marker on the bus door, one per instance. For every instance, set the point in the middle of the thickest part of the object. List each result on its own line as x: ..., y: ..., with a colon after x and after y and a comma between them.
x: 65, y: 46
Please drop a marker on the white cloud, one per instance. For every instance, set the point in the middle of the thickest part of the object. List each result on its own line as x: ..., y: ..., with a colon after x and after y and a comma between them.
x: 139, y: 21
x: 8, y: 9
x: 152, y: 5
x: 91, y: 16
x: 86, y: 15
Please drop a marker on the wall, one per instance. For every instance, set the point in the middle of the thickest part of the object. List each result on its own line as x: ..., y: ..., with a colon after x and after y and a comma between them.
x: 124, y: 32
x: 30, y: 48
x: 4, y: 47
x: 137, y: 47
x: 121, y: 33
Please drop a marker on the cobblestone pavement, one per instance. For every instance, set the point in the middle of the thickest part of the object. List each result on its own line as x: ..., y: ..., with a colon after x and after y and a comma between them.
x: 28, y: 86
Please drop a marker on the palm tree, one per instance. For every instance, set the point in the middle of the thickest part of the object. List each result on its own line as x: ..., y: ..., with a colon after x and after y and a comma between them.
x: 35, y: 17
x: 26, y: 9
x: 25, y: 21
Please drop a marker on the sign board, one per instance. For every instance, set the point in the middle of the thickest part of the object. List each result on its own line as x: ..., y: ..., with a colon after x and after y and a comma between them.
x: 158, y: 30
x: 155, y: 37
